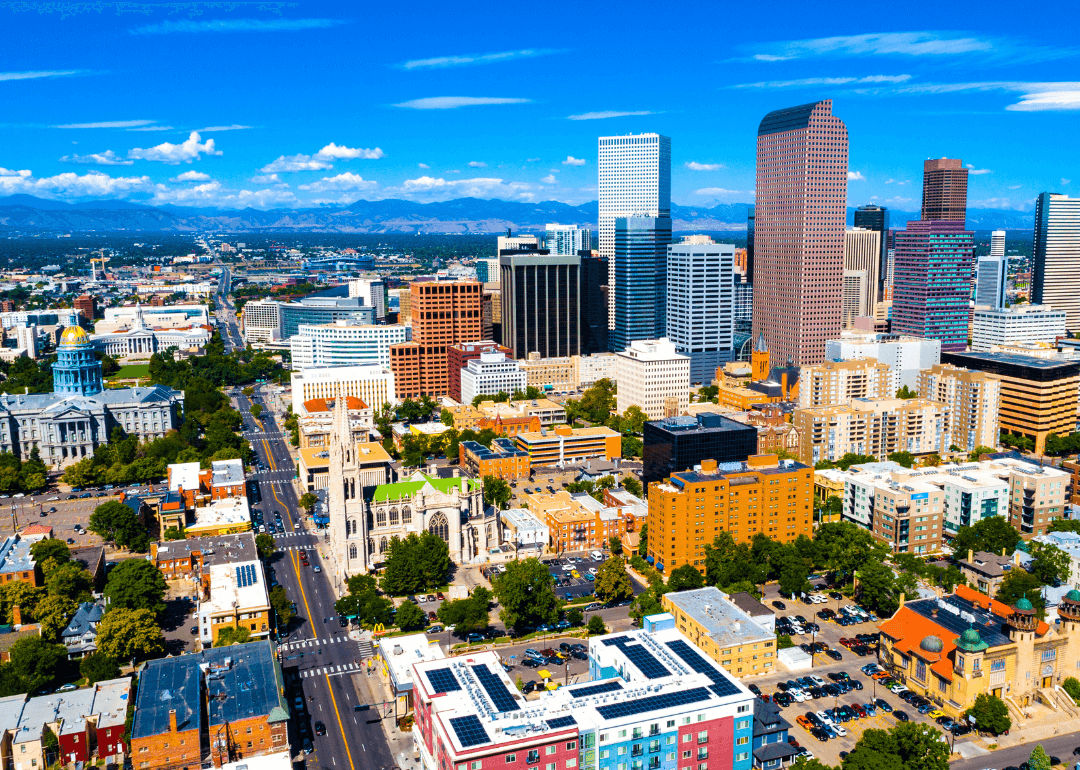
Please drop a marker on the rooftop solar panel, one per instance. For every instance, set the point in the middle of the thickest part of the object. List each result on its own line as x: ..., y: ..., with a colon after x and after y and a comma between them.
x: 721, y: 685
x: 596, y: 689
x: 496, y: 690
x: 649, y: 666
x: 443, y: 680
x: 653, y: 703
x: 469, y: 730
x: 615, y: 640
x: 558, y: 722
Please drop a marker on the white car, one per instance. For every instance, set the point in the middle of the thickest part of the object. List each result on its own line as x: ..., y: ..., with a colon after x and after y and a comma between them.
x: 896, y: 689
x: 838, y: 729
x: 593, y: 571
x: 826, y: 718
x: 568, y: 568
x: 798, y: 695
x: 597, y: 555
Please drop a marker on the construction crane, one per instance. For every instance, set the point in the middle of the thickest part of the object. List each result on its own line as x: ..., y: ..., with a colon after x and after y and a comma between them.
x: 93, y: 267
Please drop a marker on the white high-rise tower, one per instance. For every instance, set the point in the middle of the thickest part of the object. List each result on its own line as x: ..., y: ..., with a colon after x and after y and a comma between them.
x: 997, y: 244
x: 1056, y: 262
x: 635, y: 181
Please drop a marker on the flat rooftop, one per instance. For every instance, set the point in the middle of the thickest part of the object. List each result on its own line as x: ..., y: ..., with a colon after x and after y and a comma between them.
x: 401, y: 652
x: 721, y: 619
x: 704, y: 422
x: 238, y: 586
x: 226, y: 511
x: 227, y: 473
x: 184, y: 475
x: 15, y: 555
x: 216, y: 549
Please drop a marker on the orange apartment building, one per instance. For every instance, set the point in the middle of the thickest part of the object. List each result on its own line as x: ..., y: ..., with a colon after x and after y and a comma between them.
x: 1072, y: 467
x: 503, y: 460
x: 578, y: 522
x: 565, y: 444
x: 442, y: 313
x: 762, y: 494
x: 226, y: 703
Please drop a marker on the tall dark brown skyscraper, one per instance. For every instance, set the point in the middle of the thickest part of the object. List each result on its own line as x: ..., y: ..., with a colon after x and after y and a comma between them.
x: 801, y: 207
x: 944, y: 190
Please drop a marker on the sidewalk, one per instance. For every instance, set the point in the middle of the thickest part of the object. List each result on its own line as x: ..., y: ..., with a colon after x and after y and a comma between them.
x: 372, y: 689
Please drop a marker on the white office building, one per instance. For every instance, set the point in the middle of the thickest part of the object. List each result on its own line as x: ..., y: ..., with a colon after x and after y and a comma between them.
x: 567, y: 240
x: 1017, y: 324
x: 701, y: 304
x: 991, y: 281
x: 997, y: 243
x: 262, y: 321
x: 652, y: 375
x: 634, y: 181
x: 490, y: 374
x: 1056, y: 262
x: 372, y: 291
x: 905, y: 356
x: 344, y: 344
x: 372, y: 384
x: 862, y: 265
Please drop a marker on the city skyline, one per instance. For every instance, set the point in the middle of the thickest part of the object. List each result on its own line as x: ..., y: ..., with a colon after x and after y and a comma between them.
x: 312, y: 105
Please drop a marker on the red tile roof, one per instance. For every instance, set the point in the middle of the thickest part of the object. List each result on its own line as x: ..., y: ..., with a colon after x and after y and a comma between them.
x: 909, y: 628
x: 323, y: 404
x: 1001, y: 609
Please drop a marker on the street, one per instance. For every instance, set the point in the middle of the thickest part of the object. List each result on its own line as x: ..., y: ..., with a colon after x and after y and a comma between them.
x: 318, y: 657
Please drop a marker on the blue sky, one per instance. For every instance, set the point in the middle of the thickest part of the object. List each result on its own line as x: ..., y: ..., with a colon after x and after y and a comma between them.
x: 277, y: 104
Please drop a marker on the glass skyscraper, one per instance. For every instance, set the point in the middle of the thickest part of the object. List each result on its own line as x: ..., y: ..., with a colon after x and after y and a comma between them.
x: 640, y: 279
x: 1056, y: 263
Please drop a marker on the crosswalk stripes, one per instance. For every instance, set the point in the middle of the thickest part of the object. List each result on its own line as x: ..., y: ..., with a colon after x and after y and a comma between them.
x: 344, y: 668
x: 305, y: 643
x: 366, y: 649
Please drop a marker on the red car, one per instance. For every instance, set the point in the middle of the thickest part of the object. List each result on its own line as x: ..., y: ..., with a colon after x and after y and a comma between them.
x: 859, y: 710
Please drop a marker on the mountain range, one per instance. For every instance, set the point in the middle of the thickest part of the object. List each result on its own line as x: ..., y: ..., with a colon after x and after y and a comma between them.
x: 28, y: 214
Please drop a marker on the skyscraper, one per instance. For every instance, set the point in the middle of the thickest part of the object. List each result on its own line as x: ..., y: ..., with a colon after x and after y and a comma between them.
x: 997, y: 243
x: 801, y: 208
x: 862, y: 260
x: 541, y: 303
x: 991, y: 278
x: 871, y: 217
x: 594, y: 305
x: 1057, y: 256
x: 567, y: 240
x: 634, y: 181
x: 932, y: 281
x: 944, y: 190
x: 700, y: 305
x: 640, y: 279
x: 751, y: 226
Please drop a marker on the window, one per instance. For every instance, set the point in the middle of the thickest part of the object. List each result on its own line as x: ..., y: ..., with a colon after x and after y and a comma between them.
x: 703, y: 753
x: 687, y: 737
x: 533, y: 758
x: 742, y: 741
x: 742, y: 756
x: 1049, y: 654
x: 687, y: 754
x: 744, y: 724
x: 549, y: 750
x: 550, y: 766
x: 571, y: 763
x: 571, y: 745
x: 511, y: 759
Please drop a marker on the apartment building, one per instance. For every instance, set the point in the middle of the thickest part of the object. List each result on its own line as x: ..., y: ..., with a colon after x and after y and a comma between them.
x: 457, y: 356
x: 316, y: 420
x: 905, y: 512
x: 761, y: 494
x: 192, y: 557
x: 563, y: 444
x: 727, y: 634
x: 576, y: 521
x: 1038, y: 395
x: 905, y: 356
x: 235, y: 596
x: 973, y: 399
x: 503, y: 459
x: 17, y: 563
x: 568, y: 374
x: 342, y: 343
x: 872, y: 427
x: 489, y: 375
x: 838, y: 382
x: 653, y: 376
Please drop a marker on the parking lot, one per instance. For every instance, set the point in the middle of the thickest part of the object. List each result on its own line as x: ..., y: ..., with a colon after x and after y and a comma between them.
x: 17, y: 513
x: 829, y: 670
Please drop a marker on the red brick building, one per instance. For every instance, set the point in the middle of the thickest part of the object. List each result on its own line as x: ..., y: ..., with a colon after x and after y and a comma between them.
x: 460, y: 354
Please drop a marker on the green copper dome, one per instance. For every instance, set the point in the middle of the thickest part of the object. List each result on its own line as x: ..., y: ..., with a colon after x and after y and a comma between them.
x: 1073, y: 596
x: 1024, y: 605
x: 932, y: 644
x: 971, y: 641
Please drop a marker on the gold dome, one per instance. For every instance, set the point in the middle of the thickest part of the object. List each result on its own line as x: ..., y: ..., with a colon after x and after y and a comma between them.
x: 74, y: 335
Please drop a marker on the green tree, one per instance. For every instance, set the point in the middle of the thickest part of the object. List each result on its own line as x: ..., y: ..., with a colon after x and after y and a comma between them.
x: 279, y: 601
x: 97, y: 667
x: 256, y: 410
x: 136, y: 584
x: 643, y: 541
x: 117, y: 523
x: 595, y: 404
x: 129, y: 634
x: 265, y: 545
x: 1072, y: 686
x: 50, y: 552
x: 993, y: 534
x: 794, y: 577
x: 21, y: 594
x: 1049, y: 563
x: 633, y: 420
x: 467, y: 615
x: 632, y: 485
x: 685, y: 578
x: 990, y: 713
x: 615, y: 545
x: 175, y: 533
x: 905, y: 392
x: 307, y: 501
x: 1039, y: 759
x: 526, y: 592
x: 446, y: 417
x: 70, y: 581
x: 36, y: 661
x: 417, y: 563
x: 613, y: 581
x: 575, y: 617
x: 596, y: 626
x: 497, y: 492
x: 631, y: 447
x: 53, y: 614
x: 907, y: 459
x: 1019, y: 583
x: 877, y: 588
x: 410, y: 617
x: 232, y: 635
x: 979, y: 451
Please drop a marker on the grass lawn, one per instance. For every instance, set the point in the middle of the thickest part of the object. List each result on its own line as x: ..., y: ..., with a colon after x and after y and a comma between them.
x: 132, y: 372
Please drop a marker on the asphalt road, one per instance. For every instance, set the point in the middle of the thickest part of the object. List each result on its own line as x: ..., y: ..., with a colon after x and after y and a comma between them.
x: 316, y: 651
x: 1060, y: 746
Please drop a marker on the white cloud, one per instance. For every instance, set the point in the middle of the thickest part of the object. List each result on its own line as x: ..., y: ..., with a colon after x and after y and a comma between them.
x: 339, y: 152
x: 231, y: 127
x: 722, y: 192
x: 1065, y: 181
x: 234, y: 25
x: 924, y: 43
x: 453, y: 102
x: 898, y: 181
x: 693, y: 165
x: 855, y: 176
x: 93, y: 184
x: 977, y: 171
x: 266, y: 179
x: 1047, y: 100
x: 39, y: 74
x: 423, y: 165
x: 151, y: 128
x: 192, y: 176
x: 341, y: 182
x: 464, y: 60
x: 108, y: 124
x: 549, y: 179
x: 1000, y: 203
x: 23, y: 172
x: 572, y: 161
x: 532, y: 160
x: 107, y: 158
x: 477, y: 164
x: 167, y: 152
x: 605, y: 114
x: 827, y: 81
x: 296, y: 163
x: 427, y: 188
x: 1014, y: 187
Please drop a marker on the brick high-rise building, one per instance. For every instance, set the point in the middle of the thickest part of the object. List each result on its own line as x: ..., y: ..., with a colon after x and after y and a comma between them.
x: 86, y: 306
x: 443, y: 313
x: 944, y: 190
x: 800, y: 211
x: 462, y: 353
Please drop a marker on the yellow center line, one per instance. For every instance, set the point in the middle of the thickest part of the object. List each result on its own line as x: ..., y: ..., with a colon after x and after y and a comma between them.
x: 341, y: 727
